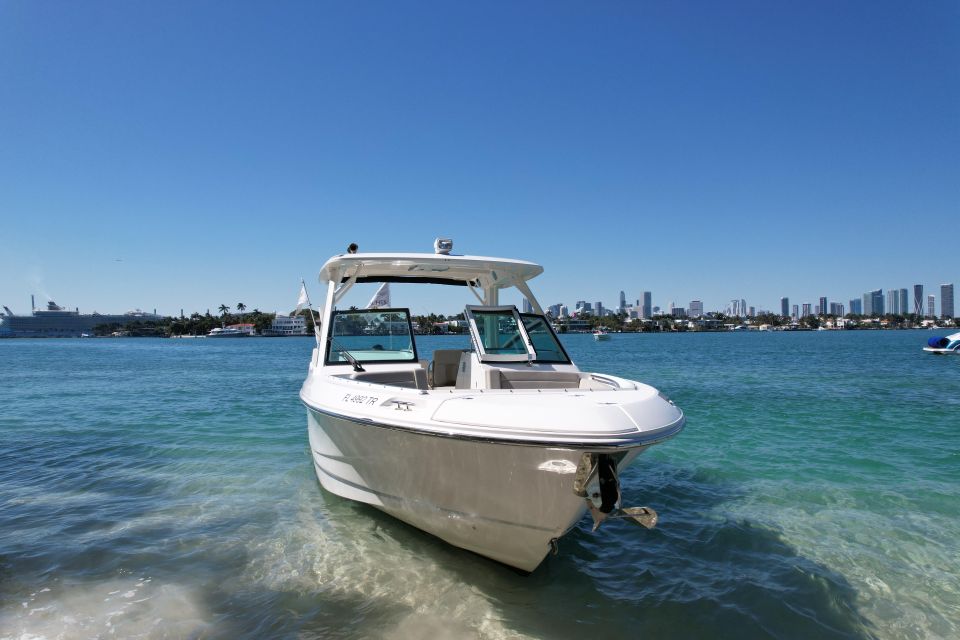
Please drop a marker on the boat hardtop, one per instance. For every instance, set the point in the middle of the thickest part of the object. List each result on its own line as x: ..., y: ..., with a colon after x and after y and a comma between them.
x: 478, y: 271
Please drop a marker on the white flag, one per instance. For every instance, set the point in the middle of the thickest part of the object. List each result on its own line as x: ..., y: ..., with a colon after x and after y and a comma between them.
x: 381, y: 299
x: 303, y: 300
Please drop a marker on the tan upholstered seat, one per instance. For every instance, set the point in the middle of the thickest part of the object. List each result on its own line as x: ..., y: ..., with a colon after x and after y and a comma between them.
x: 522, y: 379
x: 443, y: 372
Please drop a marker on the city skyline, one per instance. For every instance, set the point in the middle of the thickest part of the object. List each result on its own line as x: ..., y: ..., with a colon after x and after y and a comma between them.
x: 824, y: 305
x: 706, y: 152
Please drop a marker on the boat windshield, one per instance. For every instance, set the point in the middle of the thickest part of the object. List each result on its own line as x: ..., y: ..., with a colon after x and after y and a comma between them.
x: 371, y: 335
x: 503, y: 335
x: 545, y: 341
x: 499, y: 331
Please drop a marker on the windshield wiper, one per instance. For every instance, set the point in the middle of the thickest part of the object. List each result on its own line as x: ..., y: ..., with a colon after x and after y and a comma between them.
x: 346, y: 354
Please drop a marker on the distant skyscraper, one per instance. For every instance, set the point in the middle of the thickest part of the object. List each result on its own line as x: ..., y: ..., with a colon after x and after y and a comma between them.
x: 796, y: 312
x: 743, y: 307
x: 806, y: 310
x: 623, y: 301
x: 564, y: 312
x: 893, y: 302
x: 647, y: 305
x: 918, y: 299
x: 946, y: 301
x: 856, y: 307
x: 599, y: 307
x: 867, y: 304
x: 836, y: 309
x: 527, y: 307
x: 876, y: 302
x: 823, y: 306
x: 904, y: 302
x: 696, y: 308
x: 932, y: 306
x: 752, y: 312
x: 784, y: 307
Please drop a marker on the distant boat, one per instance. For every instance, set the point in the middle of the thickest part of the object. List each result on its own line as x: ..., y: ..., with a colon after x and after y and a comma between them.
x: 949, y: 344
x: 601, y: 334
x: 233, y: 331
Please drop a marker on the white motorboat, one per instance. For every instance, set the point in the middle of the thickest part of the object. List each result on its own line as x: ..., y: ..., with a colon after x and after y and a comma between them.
x: 233, y: 331
x: 600, y: 335
x: 500, y: 449
x: 949, y: 344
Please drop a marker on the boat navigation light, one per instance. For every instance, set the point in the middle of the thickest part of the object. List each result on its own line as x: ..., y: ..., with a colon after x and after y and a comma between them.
x: 443, y: 246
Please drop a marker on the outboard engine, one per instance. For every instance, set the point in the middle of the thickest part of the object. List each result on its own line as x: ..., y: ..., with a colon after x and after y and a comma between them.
x: 610, y: 498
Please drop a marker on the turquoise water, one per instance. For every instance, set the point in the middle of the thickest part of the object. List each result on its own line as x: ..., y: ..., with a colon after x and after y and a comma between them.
x: 163, y: 488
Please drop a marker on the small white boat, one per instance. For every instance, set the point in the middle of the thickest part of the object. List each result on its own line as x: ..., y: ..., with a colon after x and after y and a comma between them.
x: 949, y: 344
x: 601, y: 334
x: 228, y: 332
x: 500, y: 449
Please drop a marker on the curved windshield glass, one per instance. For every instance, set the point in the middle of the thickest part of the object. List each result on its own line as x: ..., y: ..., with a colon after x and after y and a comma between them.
x: 499, y: 332
x: 371, y: 335
x: 545, y: 342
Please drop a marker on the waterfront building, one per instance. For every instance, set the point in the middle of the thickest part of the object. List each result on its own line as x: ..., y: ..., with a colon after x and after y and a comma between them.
x: 836, y: 309
x: 647, y: 305
x: 931, y: 306
x: 876, y: 302
x: 784, y: 307
x: 893, y: 302
x: 696, y: 308
x: 823, y: 306
x: 564, y: 311
x: 677, y: 312
x: 918, y: 299
x: 806, y: 310
x: 856, y: 307
x: 946, y: 300
x: 288, y: 325
x: 904, y: 302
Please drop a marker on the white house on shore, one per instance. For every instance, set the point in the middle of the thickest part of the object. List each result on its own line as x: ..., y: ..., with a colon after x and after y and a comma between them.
x: 288, y: 325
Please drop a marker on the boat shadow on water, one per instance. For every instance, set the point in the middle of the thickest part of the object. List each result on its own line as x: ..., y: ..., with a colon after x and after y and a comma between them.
x: 698, y: 574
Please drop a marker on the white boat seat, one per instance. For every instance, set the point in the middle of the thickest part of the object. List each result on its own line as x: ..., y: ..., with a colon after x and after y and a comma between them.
x: 443, y: 371
x: 517, y: 379
x: 411, y: 378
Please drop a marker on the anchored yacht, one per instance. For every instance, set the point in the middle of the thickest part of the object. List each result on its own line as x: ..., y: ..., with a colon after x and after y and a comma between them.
x: 500, y: 449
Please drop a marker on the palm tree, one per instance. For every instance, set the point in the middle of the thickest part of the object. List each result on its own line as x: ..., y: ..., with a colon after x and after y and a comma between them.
x: 224, y: 309
x: 241, y: 308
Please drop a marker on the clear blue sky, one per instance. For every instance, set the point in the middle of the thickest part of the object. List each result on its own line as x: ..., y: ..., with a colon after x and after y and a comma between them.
x: 186, y: 154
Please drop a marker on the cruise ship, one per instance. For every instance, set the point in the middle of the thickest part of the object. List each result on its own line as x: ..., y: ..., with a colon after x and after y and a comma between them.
x: 57, y: 322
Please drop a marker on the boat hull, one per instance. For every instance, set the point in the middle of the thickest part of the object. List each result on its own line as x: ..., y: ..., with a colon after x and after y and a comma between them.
x: 502, y: 500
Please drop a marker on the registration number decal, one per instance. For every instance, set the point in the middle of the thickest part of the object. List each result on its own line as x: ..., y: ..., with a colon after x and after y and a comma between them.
x: 359, y: 399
